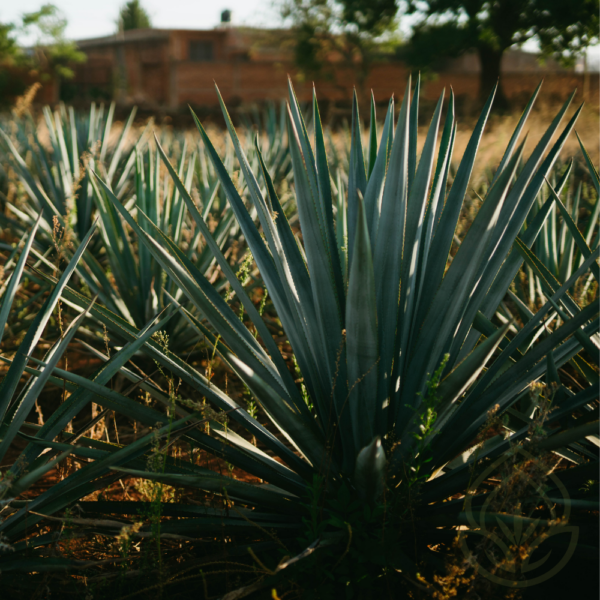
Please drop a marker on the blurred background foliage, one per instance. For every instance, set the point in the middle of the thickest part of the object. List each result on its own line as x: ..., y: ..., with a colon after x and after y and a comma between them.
x: 49, y: 55
x: 353, y: 33
x: 448, y: 28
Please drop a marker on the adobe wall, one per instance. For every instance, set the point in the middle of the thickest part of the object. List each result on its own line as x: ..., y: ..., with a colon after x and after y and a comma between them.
x: 159, y: 75
x: 250, y: 82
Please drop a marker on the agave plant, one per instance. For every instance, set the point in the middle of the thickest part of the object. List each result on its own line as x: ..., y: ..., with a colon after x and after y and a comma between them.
x: 402, y: 356
x: 271, y: 123
x: 59, y: 184
x: 55, y: 175
x: 558, y: 244
x: 55, y: 178
x: 140, y: 283
x: 61, y: 188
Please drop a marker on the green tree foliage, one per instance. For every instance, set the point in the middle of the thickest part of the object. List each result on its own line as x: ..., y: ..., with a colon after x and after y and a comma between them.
x: 489, y: 27
x: 8, y: 44
x: 133, y: 16
x: 346, y: 29
x: 9, y: 85
x: 49, y: 55
x: 52, y: 52
x: 369, y: 16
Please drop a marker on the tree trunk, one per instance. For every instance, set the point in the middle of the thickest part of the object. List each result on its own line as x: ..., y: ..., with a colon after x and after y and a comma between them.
x: 491, y: 60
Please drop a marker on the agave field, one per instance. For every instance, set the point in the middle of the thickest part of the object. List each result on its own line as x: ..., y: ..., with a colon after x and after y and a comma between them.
x: 262, y: 362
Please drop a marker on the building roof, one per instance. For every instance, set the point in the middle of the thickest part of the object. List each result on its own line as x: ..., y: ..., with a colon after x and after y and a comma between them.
x: 240, y: 36
x: 133, y: 35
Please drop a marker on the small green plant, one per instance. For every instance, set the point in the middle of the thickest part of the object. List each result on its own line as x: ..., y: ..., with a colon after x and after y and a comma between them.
x: 124, y: 542
x: 426, y: 418
x: 300, y: 380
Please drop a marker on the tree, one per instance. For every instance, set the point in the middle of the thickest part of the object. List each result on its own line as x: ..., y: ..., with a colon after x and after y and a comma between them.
x: 337, y: 28
x: 8, y: 43
x: 563, y: 29
x: 10, y: 86
x: 133, y: 16
x: 50, y: 54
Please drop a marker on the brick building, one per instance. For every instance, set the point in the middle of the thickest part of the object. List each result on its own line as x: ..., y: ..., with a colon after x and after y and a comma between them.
x: 172, y: 68
x: 169, y: 68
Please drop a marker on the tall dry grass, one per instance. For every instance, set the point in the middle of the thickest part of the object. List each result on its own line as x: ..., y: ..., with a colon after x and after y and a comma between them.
x: 501, y: 127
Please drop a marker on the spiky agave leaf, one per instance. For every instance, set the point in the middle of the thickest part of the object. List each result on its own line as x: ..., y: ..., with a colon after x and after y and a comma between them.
x: 56, y: 178
x: 414, y: 351
x: 419, y: 330
x: 367, y: 350
x: 60, y: 186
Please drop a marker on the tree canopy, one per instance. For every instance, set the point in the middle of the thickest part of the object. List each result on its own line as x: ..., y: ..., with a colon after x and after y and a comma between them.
x: 133, y: 16
x: 51, y: 52
x: 446, y: 29
x: 8, y: 43
x: 346, y: 28
x: 563, y: 29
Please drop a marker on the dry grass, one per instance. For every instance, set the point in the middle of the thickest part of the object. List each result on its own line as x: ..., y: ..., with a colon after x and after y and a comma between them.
x: 501, y: 127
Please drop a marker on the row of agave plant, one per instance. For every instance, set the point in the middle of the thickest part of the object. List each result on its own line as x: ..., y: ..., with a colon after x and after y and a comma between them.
x: 57, y: 183
x: 417, y: 351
